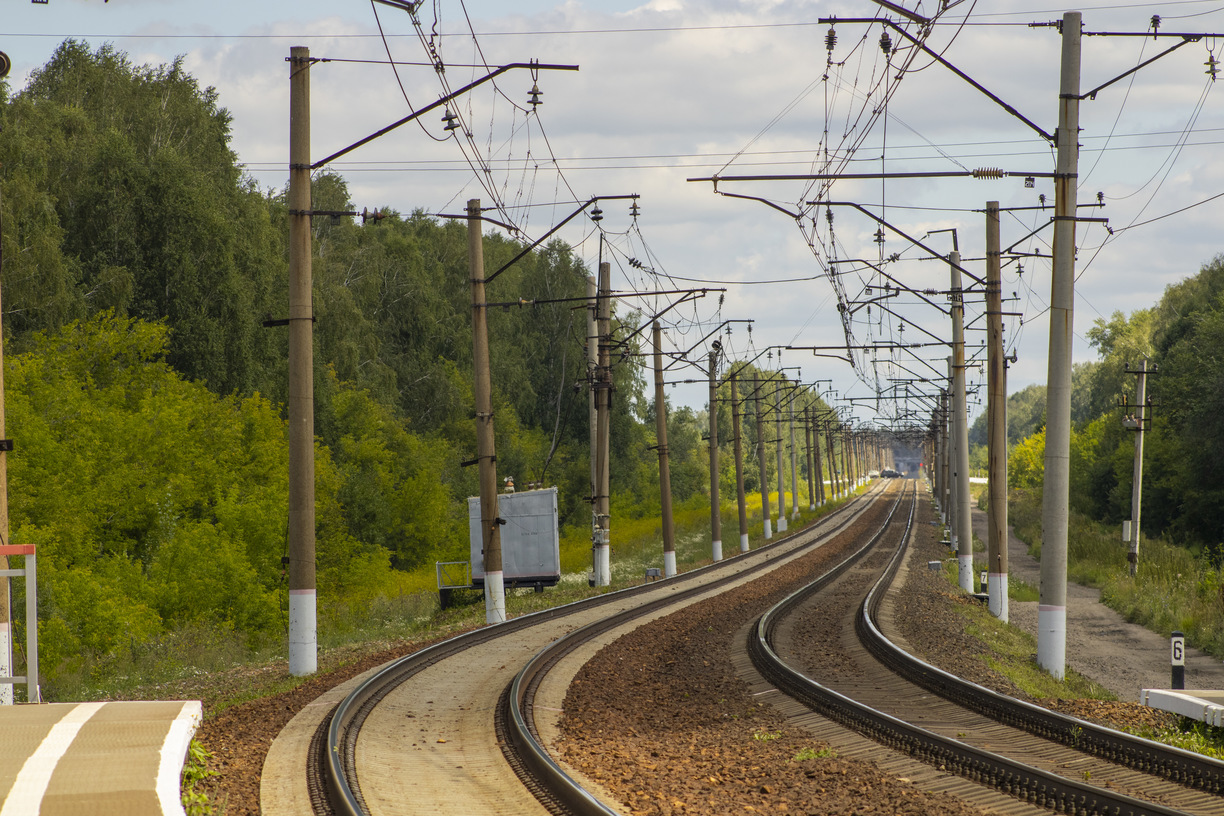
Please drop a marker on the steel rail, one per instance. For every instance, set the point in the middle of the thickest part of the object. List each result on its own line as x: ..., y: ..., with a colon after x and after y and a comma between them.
x: 335, y: 743
x: 522, y: 744
x: 1185, y: 767
x: 1015, y: 778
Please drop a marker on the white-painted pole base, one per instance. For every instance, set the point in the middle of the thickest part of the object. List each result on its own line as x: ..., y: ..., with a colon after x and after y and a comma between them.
x: 781, y: 523
x: 716, y: 550
x: 964, y: 564
x: 6, y: 664
x: 744, y: 542
x: 604, y: 554
x: 303, y: 634
x: 495, y: 597
x: 669, y: 564
x: 768, y: 531
x: 811, y: 506
x: 996, y: 588
x: 1052, y: 639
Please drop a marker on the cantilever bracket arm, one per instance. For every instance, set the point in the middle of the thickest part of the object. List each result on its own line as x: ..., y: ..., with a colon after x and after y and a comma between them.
x: 548, y: 234
x: 912, y: 240
x: 535, y: 66
x: 1189, y: 38
x: 765, y: 201
x: 935, y: 55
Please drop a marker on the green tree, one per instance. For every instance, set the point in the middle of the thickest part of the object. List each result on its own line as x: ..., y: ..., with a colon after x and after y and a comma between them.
x: 128, y: 171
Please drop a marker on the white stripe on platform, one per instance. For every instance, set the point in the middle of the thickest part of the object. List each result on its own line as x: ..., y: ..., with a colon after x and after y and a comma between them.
x: 173, y: 753
x: 34, y: 776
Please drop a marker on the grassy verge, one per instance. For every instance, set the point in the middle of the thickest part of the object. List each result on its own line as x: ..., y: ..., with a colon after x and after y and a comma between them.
x: 1174, y: 589
x: 222, y: 669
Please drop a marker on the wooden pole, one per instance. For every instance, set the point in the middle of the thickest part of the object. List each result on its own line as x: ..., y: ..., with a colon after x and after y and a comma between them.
x: 996, y: 422
x: 303, y: 632
x: 766, y: 521
x: 715, y: 502
x: 665, y: 498
x: 490, y: 522
x: 736, y: 428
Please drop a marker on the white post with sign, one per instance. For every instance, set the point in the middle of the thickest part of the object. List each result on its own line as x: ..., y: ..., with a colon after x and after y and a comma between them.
x: 1177, y: 656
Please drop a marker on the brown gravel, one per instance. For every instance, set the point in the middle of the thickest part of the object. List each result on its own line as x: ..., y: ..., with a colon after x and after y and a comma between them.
x: 662, y: 720
x: 676, y: 732
x: 239, y: 736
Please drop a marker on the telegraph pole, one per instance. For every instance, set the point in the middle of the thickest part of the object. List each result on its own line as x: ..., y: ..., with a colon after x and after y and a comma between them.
x: 603, y: 407
x: 490, y: 521
x: 815, y: 423
x: 964, y: 517
x: 1140, y: 417
x: 592, y: 352
x: 848, y: 459
x: 838, y: 468
x: 807, y: 446
x: 715, y: 503
x: 790, y: 404
x: 944, y: 461
x: 739, y: 464
x: 665, y: 499
x: 6, y: 607
x: 765, y: 517
x: 996, y: 422
x: 781, y: 471
x: 1052, y: 608
x: 303, y: 632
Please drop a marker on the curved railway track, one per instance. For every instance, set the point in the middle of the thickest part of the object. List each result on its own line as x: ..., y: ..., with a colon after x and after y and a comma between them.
x: 961, y: 735
x: 870, y: 685
x: 351, y: 773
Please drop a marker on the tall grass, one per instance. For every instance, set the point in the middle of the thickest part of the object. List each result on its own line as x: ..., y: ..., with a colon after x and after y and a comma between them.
x: 187, y: 661
x: 1174, y: 589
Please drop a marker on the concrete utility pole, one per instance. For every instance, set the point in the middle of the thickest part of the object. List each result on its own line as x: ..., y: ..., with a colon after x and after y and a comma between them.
x: 6, y: 605
x: 936, y: 463
x: 945, y: 461
x: 760, y: 423
x: 834, y: 477
x: 303, y: 631
x: 592, y: 353
x: 715, y: 503
x: 1052, y: 606
x: 815, y: 423
x: 739, y: 464
x: 953, y: 460
x: 996, y: 422
x: 807, y: 447
x: 490, y: 521
x: 964, y: 511
x: 665, y: 498
x: 848, y: 460
x: 781, y: 471
x: 603, y: 407
x: 1132, y: 557
x: 790, y: 404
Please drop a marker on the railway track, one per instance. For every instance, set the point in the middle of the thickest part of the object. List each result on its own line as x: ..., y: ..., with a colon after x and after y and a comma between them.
x: 450, y: 709
x: 527, y: 750
x: 873, y: 687
x: 824, y: 647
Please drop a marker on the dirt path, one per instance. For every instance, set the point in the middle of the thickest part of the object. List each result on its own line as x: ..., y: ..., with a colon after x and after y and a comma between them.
x: 1121, y: 656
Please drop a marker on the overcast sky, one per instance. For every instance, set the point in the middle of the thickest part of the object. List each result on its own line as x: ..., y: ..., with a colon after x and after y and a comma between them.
x: 672, y: 90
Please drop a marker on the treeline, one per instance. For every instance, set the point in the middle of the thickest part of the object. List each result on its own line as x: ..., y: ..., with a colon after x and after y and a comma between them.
x: 145, y: 396
x: 1183, y: 472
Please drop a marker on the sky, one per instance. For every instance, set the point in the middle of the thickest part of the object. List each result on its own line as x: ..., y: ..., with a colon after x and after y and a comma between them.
x: 673, y: 90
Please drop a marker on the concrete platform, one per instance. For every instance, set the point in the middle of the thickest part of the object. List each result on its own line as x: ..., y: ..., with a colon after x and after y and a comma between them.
x: 81, y: 759
x: 1205, y: 705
